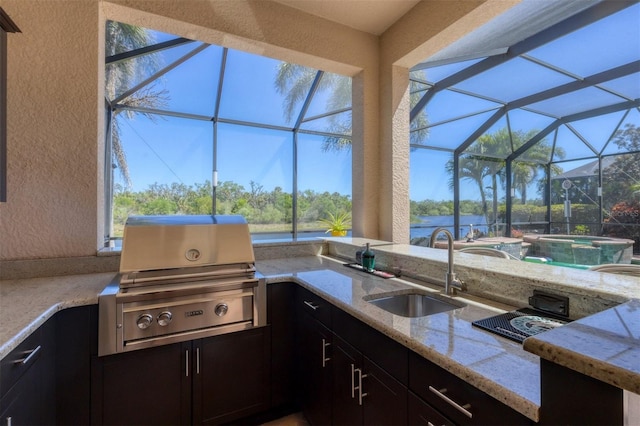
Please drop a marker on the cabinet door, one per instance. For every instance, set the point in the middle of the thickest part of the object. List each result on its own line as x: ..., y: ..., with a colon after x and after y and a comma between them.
x: 348, y: 394
x: 231, y: 376
x: 27, y: 380
x: 569, y: 397
x: 75, y: 337
x: 385, y: 399
x: 147, y: 386
x: 21, y: 405
x: 281, y: 317
x: 315, y: 365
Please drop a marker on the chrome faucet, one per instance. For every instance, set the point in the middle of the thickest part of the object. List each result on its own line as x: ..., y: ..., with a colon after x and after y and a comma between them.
x: 451, y: 281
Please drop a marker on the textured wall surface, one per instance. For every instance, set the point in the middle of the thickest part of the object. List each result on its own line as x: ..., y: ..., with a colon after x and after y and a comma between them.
x: 51, y: 131
x: 54, y: 122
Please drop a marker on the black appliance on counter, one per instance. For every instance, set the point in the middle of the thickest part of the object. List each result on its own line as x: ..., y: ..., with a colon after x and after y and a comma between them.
x: 547, y: 312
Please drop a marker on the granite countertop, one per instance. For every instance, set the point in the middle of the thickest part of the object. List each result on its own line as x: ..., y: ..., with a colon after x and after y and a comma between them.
x: 495, y: 365
x: 27, y: 303
x: 605, y: 346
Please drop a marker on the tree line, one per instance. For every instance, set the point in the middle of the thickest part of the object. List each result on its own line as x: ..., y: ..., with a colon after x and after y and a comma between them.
x: 256, y: 204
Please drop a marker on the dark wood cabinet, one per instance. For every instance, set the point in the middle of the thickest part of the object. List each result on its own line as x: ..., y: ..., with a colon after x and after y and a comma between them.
x: 314, y: 369
x: 455, y: 399
x: 347, y: 394
x: 311, y: 356
x: 75, y: 341
x: 148, y: 386
x: 340, y: 383
x: 281, y: 316
x: 207, y: 381
x: 27, y: 380
x: 20, y: 406
x: 230, y: 376
x: 363, y: 393
x: 386, y: 398
x: 571, y: 398
x: 423, y: 414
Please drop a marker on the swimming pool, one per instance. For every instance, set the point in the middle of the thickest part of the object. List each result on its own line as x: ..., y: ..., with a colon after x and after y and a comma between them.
x: 546, y: 261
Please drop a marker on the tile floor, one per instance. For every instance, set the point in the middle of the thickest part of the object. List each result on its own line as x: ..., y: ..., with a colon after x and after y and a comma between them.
x: 296, y: 419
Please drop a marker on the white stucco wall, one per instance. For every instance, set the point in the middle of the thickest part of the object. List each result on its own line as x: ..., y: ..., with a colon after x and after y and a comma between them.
x: 55, y: 129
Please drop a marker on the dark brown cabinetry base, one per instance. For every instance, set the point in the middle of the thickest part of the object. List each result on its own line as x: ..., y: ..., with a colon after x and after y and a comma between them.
x: 340, y: 384
x: 207, y: 381
x: 456, y: 400
x: 149, y: 386
x: 312, y: 356
x: 314, y: 364
x: 76, y: 340
x: 571, y: 398
x: 27, y: 380
x: 231, y: 376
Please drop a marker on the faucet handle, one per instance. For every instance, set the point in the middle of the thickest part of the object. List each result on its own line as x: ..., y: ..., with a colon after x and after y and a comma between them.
x: 454, y: 284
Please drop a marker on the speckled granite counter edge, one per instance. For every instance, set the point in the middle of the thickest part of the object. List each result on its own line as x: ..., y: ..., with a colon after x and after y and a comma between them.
x: 603, y: 371
x: 551, y: 346
x: 43, y: 298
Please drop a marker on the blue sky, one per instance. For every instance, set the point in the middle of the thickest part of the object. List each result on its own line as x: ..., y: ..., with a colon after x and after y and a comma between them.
x: 180, y: 150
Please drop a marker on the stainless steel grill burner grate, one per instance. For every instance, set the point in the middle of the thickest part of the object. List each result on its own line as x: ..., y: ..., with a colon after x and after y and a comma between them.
x: 181, y: 278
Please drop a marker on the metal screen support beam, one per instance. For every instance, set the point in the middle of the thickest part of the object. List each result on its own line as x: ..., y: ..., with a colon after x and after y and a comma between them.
x: 509, y: 200
x: 456, y: 196
x: 146, y: 50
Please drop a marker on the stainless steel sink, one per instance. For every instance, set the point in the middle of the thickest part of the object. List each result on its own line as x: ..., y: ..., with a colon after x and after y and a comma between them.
x: 415, y: 304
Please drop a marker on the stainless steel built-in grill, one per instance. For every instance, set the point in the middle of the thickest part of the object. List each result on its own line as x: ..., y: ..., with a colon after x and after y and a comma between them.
x: 181, y: 278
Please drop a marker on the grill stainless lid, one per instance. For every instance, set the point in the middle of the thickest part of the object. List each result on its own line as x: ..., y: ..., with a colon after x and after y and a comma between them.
x: 154, y: 243
x: 181, y: 278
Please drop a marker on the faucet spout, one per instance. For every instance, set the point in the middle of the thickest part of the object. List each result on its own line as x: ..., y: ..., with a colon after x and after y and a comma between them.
x: 451, y: 282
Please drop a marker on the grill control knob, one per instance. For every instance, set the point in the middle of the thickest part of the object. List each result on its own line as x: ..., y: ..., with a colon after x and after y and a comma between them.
x: 164, y: 318
x: 221, y: 309
x: 144, y: 321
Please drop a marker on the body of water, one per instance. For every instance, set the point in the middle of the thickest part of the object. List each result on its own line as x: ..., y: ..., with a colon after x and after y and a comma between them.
x: 423, y: 229
x: 429, y: 223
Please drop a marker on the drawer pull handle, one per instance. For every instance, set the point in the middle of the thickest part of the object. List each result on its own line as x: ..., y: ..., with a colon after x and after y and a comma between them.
x: 31, y: 354
x: 464, y: 409
x: 324, y: 353
x: 311, y: 305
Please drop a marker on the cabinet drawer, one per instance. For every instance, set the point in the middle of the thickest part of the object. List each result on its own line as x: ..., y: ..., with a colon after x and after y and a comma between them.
x: 456, y: 399
x: 421, y: 413
x: 18, y: 362
x: 314, y: 305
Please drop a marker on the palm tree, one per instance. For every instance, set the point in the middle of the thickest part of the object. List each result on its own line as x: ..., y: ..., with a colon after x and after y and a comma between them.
x: 485, y: 159
x: 526, y: 171
x: 622, y: 177
x: 294, y: 81
x: 473, y: 169
x: 122, y: 75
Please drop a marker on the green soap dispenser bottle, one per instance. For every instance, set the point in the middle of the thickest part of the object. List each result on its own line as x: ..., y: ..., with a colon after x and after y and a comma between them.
x: 368, y: 259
